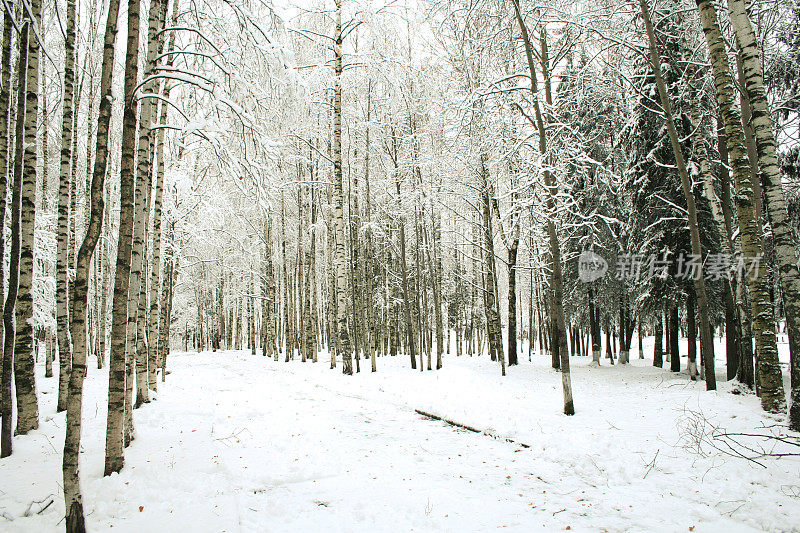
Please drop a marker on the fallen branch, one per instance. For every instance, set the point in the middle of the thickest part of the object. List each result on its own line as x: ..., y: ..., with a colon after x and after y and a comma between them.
x: 470, y: 428
x: 48, y: 499
x: 651, y: 464
x: 697, y: 431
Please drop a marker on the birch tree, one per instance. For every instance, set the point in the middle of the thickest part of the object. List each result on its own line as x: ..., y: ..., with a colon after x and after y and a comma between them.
x: 62, y: 267
x: 116, y: 431
x: 24, y: 376
x: 9, y: 309
x: 785, y: 244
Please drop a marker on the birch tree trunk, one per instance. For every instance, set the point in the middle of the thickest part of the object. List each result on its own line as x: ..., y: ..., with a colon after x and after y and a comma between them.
x: 338, y: 202
x: 70, y: 466
x: 371, y: 343
x: 286, y: 313
x: 115, y: 426
x: 24, y: 375
x: 6, y: 358
x: 493, y: 328
x: 512, y: 290
x: 9, y: 311
x: 771, y: 384
x: 62, y: 267
x: 166, y: 303
x: 785, y: 247
x: 721, y: 211
x: 691, y: 336
x: 268, y: 307
x: 311, y: 286
x: 135, y: 346
x: 155, y: 276
x: 435, y: 267
x: 409, y: 327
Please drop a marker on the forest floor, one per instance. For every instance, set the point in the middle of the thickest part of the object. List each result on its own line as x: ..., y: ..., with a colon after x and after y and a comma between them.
x: 237, y: 442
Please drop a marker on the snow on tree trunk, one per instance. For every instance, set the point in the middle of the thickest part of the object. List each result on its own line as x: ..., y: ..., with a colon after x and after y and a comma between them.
x: 153, y: 334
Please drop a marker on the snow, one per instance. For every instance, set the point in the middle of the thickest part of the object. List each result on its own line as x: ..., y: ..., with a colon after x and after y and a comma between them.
x: 237, y: 442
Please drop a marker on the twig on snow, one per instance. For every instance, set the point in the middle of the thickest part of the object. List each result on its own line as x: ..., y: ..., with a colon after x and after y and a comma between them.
x: 48, y: 499
x: 651, y: 464
x: 470, y: 428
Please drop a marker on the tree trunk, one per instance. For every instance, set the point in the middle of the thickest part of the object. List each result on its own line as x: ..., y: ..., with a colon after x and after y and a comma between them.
x: 699, y: 282
x: 9, y: 311
x: 734, y: 308
x: 639, y: 334
x: 512, y: 296
x: 658, y: 358
x: 338, y: 203
x: 493, y: 328
x: 691, y: 336
x: 556, y: 277
x: 675, y: 354
x: 6, y: 357
x: 155, y: 275
x: 166, y: 305
x: 115, y: 427
x: 769, y: 373
x: 62, y: 267
x: 72, y: 494
x: 144, y: 174
x: 268, y: 306
x: 369, y: 260
x: 624, y: 349
x: 24, y: 366
x: 772, y: 397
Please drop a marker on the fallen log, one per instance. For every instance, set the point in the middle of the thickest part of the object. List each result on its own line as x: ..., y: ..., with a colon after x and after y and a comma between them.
x: 470, y: 428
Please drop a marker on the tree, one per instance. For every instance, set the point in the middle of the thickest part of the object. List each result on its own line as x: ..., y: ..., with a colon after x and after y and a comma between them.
x: 116, y: 430
x: 558, y: 323
x: 9, y: 311
x: 6, y: 358
x: 769, y: 374
x: 62, y: 267
x: 24, y: 376
x: 706, y: 347
x: 155, y: 277
x: 338, y: 201
x: 784, y: 242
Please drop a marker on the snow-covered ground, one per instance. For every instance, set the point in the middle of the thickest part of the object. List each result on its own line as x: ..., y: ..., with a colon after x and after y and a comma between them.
x: 237, y: 442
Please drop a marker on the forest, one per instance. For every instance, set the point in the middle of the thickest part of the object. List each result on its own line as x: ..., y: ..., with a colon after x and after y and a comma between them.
x: 281, y: 265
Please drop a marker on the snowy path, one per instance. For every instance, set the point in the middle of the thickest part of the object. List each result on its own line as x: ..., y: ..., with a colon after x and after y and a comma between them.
x: 239, y: 443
